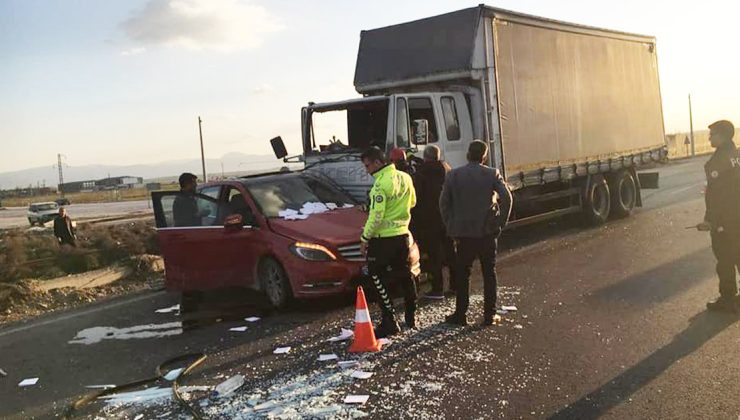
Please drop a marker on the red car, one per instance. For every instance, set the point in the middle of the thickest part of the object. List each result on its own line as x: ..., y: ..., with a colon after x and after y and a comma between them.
x: 254, y: 232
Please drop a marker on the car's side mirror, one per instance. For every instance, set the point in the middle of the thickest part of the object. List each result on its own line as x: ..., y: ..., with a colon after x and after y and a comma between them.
x: 234, y: 221
x: 421, y: 131
x: 278, y: 147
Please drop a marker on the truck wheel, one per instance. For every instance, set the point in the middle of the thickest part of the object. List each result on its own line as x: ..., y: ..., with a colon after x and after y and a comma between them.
x: 597, y: 204
x: 275, y: 283
x: 624, y: 193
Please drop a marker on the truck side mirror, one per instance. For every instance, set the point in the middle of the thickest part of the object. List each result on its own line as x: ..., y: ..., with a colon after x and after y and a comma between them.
x: 421, y: 131
x: 278, y: 147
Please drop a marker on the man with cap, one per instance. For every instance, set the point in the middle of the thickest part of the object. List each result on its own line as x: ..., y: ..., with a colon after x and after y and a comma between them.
x: 722, y: 217
x: 385, y: 239
x: 185, y: 208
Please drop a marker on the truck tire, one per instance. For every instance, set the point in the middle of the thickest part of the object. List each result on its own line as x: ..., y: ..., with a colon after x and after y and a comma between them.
x: 274, y: 283
x: 597, y: 202
x: 624, y: 193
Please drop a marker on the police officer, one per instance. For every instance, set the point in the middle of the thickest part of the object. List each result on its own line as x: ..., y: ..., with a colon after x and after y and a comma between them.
x: 385, y: 240
x: 722, y: 217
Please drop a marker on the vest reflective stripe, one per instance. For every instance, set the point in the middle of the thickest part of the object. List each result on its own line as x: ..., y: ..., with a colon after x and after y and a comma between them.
x: 362, y: 316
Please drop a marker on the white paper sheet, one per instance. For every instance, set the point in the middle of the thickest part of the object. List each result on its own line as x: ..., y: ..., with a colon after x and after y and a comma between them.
x: 281, y: 350
x: 356, y: 399
x: 344, y: 335
x: 173, y: 308
x: 511, y: 308
x: 358, y: 374
x: 28, y: 382
x: 173, y: 374
x: 252, y: 319
x: 238, y: 329
x: 327, y: 357
x: 344, y: 364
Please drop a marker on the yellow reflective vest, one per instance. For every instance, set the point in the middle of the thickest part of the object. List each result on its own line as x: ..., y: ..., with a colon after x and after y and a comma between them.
x: 391, y: 200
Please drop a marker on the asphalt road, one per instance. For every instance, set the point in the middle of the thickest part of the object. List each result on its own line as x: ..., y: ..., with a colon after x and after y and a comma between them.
x: 611, y: 323
x: 17, y: 216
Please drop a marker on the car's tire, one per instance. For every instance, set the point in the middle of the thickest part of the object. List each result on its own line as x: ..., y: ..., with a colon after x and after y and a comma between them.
x: 31, y: 221
x: 623, y: 188
x: 274, y: 283
x: 597, y: 202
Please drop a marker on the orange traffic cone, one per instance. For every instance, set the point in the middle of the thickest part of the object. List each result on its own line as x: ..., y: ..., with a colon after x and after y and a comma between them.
x: 364, y: 340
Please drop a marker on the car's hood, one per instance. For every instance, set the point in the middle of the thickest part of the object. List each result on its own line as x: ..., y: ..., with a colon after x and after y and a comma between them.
x: 333, y: 228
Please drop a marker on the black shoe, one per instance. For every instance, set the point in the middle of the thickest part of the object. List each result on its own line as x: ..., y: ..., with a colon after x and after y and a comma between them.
x: 456, y: 319
x: 723, y: 305
x: 410, y: 321
x: 387, y: 329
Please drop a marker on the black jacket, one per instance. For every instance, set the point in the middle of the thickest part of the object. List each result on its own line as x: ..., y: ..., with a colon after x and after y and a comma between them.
x: 428, y: 180
x: 63, y: 230
x: 185, y: 210
x: 723, y: 189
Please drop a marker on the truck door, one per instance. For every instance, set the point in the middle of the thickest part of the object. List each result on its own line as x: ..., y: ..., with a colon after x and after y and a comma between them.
x: 195, y: 257
x: 456, y: 130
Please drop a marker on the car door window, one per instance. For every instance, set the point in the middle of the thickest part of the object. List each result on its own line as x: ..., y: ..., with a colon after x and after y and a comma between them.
x: 188, y: 210
x: 237, y: 204
x: 210, y: 210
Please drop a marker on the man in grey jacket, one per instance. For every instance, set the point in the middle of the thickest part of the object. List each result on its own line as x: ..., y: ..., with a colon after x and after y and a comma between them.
x: 475, y: 205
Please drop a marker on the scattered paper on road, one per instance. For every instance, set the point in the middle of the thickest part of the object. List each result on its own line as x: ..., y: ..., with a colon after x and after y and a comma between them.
x: 356, y: 399
x: 518, y: 326
x: 173, y: 374
x: 510, y: 308
x: 327, y: 357
x: 238, y: 329
x: 174, y: 308
x: 268, y: 405
x: 28, y: 382
x: 281, y: 350
x: 139, y: 417
x: 344, y: 364
x: 358, y: 374
x: 384, y: 341
x: 344, y: 335
x: 252, y: 319
x: 100, y: 386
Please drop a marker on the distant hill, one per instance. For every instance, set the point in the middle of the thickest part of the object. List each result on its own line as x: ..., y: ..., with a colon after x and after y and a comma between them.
x: 232, y: 163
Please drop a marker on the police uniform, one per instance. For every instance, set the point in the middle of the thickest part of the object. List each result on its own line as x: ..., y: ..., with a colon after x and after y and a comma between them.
x: 723, y: 213
x: 386, y: 233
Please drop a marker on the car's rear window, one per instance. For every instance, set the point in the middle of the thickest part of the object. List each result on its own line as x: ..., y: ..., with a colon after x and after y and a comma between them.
x: 277, y: 194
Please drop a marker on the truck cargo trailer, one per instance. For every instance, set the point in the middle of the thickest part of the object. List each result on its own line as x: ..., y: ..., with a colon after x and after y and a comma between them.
x: 569, y: 111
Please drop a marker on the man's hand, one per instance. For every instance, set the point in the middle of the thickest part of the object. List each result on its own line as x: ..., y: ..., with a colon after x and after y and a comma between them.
x: 363, y: 249
x: 704, y: 227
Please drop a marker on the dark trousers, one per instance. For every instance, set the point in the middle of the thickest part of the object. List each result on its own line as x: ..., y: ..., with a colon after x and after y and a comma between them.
x: 441, y: 251
x: 726, y: 248
x: 388, y: 261
x: 468, y: 250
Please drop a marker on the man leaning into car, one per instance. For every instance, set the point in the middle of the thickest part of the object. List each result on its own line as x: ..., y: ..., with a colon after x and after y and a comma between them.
x: 386, y: 238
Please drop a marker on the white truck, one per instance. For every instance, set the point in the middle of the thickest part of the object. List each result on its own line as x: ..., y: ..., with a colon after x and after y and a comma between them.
x: 569, y: 111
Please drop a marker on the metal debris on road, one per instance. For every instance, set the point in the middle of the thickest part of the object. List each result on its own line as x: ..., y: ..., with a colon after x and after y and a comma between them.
x: 28, y: 382
x: 327, y: 357
x: 238, y: 329
x: 281, y: 350
x: 358, y: 374
x: 356, y: 399
x: 252, y: 319
x: 344, y: 335
x: 174, y: 308
x: 228, y: 386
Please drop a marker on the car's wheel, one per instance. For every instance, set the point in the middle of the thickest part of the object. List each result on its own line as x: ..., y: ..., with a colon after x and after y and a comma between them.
x: 597, y: 203
x: 274, y: 283
x: 623, y: 192
x: 30, y: 221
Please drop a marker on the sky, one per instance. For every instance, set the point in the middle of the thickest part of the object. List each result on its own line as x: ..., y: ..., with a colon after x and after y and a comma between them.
x: 124, y: 81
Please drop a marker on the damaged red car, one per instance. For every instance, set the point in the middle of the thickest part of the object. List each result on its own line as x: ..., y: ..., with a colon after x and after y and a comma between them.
x: 288, y: 235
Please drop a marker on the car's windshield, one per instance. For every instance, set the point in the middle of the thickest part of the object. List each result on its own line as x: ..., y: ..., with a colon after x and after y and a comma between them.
x: 44, y: 207
x: 278, y: 194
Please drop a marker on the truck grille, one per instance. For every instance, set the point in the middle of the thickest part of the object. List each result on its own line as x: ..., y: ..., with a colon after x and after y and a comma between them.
x: 351, y: 252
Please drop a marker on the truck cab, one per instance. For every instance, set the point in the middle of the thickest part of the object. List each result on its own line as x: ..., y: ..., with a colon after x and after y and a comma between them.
x: 334, y: 134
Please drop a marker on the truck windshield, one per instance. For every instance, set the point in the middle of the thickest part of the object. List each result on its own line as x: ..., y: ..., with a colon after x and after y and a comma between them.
x: 355, y: 126
x: 278, y: 194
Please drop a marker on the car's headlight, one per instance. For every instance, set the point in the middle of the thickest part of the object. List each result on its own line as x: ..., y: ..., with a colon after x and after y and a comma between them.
x: 312, y: 252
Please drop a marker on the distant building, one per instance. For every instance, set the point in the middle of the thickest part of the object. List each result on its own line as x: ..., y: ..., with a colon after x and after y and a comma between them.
x: 111, y: 183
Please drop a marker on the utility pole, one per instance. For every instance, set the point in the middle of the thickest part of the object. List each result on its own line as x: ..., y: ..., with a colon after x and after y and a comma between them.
x: 691, y: 125
x: 222, y: 169
x: 61, y: 174
x: 202, y: 154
